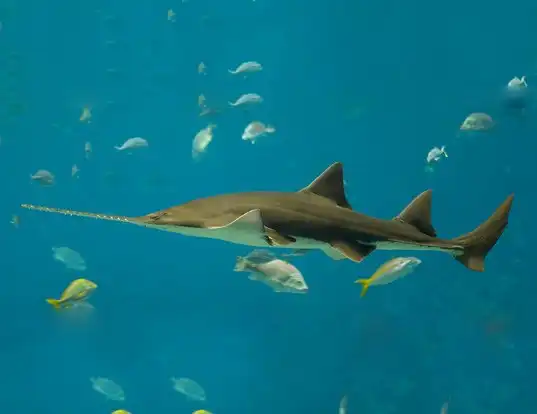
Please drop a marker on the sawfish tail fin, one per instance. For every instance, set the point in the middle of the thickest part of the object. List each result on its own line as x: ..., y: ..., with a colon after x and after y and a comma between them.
x: 480, y: 241
x: 67, y: 212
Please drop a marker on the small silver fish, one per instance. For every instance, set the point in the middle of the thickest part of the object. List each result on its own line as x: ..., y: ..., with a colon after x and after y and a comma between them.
x: 87, y: 149
x: 343, y: 405
x: 43, y: 177
x: 516, y: 93
x: 202, y: 140
x: 247, y: 99
x: 279, y: 275
x: 477, y: 121
x: 247, y: 67
x: 255, y: 130
x: 517, y: 83
x: 132, y: 143
x: 434, y: 155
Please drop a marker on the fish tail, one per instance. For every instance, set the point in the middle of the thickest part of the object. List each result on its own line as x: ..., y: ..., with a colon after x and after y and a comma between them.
x: 480, y: 241
x: 240, y: 264
x: 56, y: 304
x: 67, y: 212
x: 231, y: 71
x: 365, y: 286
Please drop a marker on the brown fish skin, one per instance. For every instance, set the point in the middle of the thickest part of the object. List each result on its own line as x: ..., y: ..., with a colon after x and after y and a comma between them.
x: 320, y: 215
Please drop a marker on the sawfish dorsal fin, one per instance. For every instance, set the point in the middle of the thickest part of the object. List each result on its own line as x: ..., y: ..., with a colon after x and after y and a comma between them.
x: 330, y: 185
x: 418, y: 214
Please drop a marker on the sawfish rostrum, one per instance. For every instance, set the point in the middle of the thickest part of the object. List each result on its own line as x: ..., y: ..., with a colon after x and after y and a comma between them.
x: 318, y: 217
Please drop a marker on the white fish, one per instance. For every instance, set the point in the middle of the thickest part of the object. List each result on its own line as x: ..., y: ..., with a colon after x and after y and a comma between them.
x: 389, y: 271
x: 87, y: 149
x: 516, y: 93
x: 202, y: 140
x: 108, y: 388
x: 477, y: 121
x: 190, y: 388
x: 517, y: 83
x: 70, y: 258
x: 247, y: 67
x: 247, y: 99
x: 343, y: 404
x: 279, y: 275
x: 132, y: 143
x: 43, y: 177
x: 434, y: 155
x: 255, y: 130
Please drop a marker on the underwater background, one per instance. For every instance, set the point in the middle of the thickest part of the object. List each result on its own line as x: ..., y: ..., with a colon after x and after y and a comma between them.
x: 373, y: 84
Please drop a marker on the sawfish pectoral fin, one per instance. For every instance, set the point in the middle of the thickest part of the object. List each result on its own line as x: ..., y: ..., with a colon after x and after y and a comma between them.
x: 334, y: 254
x: 274, y: 238
x: 248, y: 222
x: 353, y: 251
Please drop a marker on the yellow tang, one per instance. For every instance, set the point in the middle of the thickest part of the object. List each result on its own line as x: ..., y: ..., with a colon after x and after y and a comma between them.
x: 120, y: 412
x: 77, y: 291
x: 389, y: 271
x: 201, y: 412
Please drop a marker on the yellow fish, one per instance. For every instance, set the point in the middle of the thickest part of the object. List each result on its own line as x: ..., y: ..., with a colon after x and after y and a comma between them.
x: 78, y: 290
x: 201, y: 412
x: 120, y: 412
x: 388, y: 272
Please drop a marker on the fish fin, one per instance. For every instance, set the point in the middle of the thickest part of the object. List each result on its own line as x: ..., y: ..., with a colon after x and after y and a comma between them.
x: 56, y: 304
x: 334, y: 254
x: 355, y: 252
x: 365, y: 286
x: 274, y: 238
x: 67, y: 212
x: 253, y: 276
x: 247, y: 222
x: 240, y: 264
x: 260, y: 256
x: 330, y: 185
x: 296, y: 252
x: 480, y: 241
x: 418, y: 214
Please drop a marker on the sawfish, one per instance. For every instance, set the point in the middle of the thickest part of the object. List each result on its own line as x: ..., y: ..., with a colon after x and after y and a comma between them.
x: 318, y: 217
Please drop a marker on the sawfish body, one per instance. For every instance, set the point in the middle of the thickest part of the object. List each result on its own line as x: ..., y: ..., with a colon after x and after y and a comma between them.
x: 317, y: 217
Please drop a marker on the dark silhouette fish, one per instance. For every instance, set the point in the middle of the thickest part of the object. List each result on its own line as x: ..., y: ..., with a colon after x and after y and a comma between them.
x: 316, y: 217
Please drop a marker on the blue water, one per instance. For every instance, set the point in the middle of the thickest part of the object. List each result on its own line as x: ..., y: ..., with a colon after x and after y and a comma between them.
x: 372, y: 84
